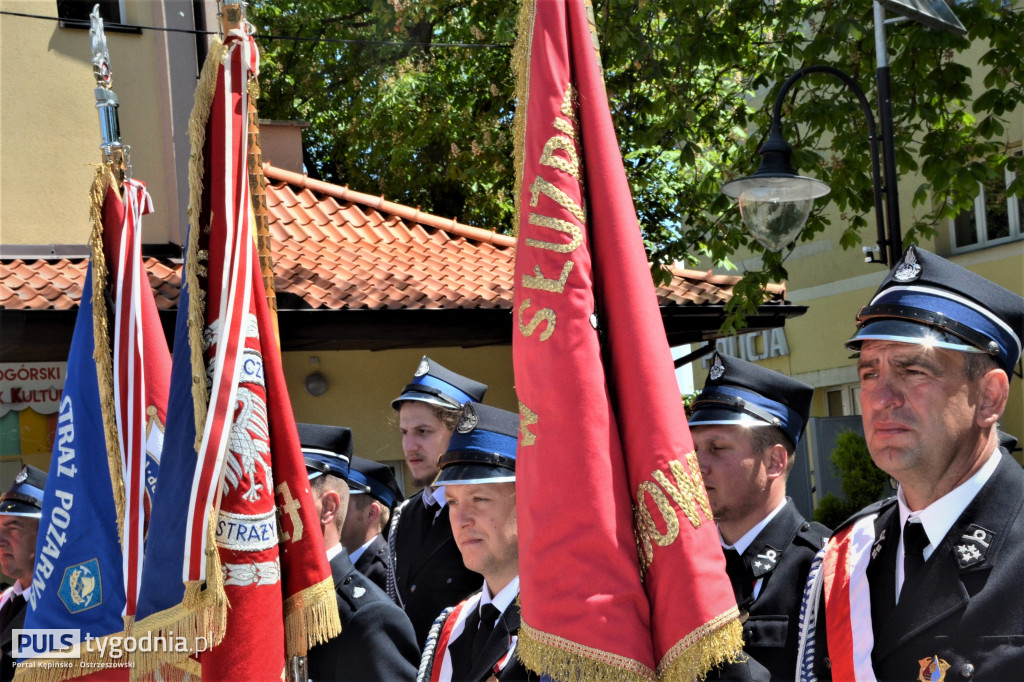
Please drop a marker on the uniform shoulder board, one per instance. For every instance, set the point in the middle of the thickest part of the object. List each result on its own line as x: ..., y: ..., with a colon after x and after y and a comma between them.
x: 814, y: 534
x: 873, y: 508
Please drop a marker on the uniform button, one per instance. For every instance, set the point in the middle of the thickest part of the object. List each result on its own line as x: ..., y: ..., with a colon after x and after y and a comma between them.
x: 449, y: 581
x: 967, y: 671
x: 412, y: 589
x: 348, y: 580
x: 806, y: 527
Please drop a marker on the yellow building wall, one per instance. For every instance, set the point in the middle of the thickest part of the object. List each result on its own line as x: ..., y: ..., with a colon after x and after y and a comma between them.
x: 49, y: 127
x: 362, y: 384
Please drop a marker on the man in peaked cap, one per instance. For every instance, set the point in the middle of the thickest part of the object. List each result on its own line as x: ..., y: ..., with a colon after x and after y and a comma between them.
x: 476, y: 640
x: 746, y: 424
x: 21, y: 507
x: 426, y: 569
x: 376, y: 640
x: 927, y: 584
x: 373, y: 493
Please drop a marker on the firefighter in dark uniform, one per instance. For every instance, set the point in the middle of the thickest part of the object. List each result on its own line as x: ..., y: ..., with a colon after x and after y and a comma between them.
x: 376, y: 640
x: 927, y: 584
x: 373, y: 493
x: 426, y: 568
x: 746, y: 424
x: 476, y: 640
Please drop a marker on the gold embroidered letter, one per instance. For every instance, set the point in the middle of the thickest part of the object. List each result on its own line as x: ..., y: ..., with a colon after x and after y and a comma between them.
x: 527, y: 418
x: 688, y: 493
x: 542, y: 186
x: 569, y: 165
x: 561, y: 226
x: 646, y: 530
x: 543, y: 315
x: 539, y: 281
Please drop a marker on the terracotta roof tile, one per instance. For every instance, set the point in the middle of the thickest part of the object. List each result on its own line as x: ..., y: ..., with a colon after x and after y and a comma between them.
x: 336, y: 248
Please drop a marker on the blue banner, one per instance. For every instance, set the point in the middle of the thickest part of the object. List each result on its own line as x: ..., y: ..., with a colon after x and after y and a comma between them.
x: 78, y: 580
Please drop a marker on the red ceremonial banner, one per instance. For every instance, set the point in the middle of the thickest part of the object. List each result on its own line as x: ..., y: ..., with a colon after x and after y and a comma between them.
x: 258, y: 588
x: 622, y: 574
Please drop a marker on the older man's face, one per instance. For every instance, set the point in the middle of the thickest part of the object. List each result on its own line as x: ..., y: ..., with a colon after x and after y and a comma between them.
x: 18, y: 547
x: 919, y: 409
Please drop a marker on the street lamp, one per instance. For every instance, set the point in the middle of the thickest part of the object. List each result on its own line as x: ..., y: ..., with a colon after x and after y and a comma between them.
x: 775, y: 201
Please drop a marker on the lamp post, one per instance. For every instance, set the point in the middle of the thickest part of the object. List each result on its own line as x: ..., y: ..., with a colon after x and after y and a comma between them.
x: 775, y: 201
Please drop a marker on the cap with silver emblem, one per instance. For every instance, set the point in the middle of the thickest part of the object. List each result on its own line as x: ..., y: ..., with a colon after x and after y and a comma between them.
x: 437, y: 385
x: 482, y: 449
x: 25, y: 498
x: 740, y: 392
x: 927, y: 300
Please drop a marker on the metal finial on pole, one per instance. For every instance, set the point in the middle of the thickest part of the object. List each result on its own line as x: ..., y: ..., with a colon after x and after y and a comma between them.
x: 115, y: 152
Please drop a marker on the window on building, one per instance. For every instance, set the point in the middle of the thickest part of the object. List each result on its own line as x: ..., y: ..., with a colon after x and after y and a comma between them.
x: 996, y: 217
x: 75, y: 13
x: 842, y: 401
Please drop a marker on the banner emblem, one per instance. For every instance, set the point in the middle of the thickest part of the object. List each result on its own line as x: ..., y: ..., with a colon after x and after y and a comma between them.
x: 80, y: 589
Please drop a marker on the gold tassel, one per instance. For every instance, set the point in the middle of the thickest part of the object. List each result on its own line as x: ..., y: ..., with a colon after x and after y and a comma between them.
x: 717, y: 642
x: 547, y: 654
x: 310, y: 618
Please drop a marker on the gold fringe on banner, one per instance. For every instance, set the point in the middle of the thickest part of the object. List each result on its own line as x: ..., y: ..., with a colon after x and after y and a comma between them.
x: 103, y: 352
x: 717, y: 642
x: 196, y: 260
x: 566, y: 661
x: 202, y: 613
x: 521, y: 69
x: 310, y: 618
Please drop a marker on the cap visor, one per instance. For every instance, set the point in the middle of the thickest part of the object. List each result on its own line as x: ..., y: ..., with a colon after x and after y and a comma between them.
x: 416, y: 396
x: 720, y: 415
x: 905, y: 331
x: 465, y: 474
x: 15, y: 508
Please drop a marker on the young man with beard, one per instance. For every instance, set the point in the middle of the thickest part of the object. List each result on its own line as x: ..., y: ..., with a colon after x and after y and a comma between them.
x: 426, y: 568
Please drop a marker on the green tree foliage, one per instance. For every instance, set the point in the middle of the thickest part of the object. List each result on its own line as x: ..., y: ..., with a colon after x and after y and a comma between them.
x: 862, y: 481
x: 418, y: 106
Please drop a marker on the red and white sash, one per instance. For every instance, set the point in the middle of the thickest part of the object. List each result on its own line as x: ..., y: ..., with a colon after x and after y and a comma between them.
x: 848, y: 601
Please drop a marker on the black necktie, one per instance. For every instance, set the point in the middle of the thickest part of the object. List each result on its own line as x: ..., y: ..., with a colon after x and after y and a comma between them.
x: 739, y: 576
x: 914, y: 542
x: 488, y: 616
x: 10, y: 610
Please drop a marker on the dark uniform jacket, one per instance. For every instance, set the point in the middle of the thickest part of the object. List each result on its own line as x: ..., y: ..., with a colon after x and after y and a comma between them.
x: 376, y: 640
x: 374, y: 562
x: 965, y: 604
x: 7, y: 642
x: 495, y: 650
x: 781, y: 556
x: 429, y: 574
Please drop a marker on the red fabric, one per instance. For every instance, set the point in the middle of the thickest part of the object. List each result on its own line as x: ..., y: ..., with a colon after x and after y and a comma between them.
x: 837, y: 606
x: 608, y: 410
x: 262, y: 470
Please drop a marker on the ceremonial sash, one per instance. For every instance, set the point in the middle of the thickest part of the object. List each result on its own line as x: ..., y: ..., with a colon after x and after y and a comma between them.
x: 848, y: 601
x: 441, y: 670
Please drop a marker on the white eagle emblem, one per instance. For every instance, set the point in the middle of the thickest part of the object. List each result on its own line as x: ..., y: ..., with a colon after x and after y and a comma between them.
x: 909, y: 269
x: 250, y: 444
x: 717, y: 369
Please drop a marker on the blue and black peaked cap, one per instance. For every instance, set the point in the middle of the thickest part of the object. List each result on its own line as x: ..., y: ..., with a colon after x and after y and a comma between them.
x: 740, y: 392
x: 927, y: 300
x: 434, y: 384
x: 25, y: 497
x: 482, y: 448
x: 367, y: 477
x: 326, y: 449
